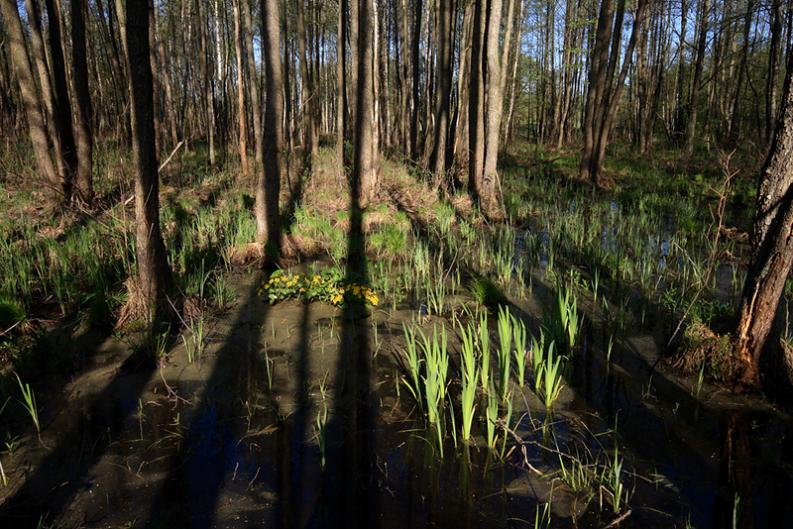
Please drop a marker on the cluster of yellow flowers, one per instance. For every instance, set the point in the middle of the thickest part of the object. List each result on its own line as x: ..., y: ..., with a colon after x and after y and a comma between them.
x: 324, y: 287
x: 359, y: 292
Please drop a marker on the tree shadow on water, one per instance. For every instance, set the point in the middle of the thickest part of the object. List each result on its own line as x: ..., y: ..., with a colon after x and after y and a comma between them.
x: 88, y: 434
x: 212, y: 449
x: 348, y: 493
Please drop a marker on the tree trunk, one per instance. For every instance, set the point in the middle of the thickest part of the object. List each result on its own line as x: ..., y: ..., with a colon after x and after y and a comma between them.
x: 443, y: 92
x: 693, y: 100
x: 310, y: 133
x: 31, y: 100
x: 85, y: 140
x: 476, y: 103
x: 238, y: 47
x: 771, y: 256
x: 489, y: 196
x: 364, y: 173
x: 258, y: 135
x: 154, y: 275
x: 341, y: 88
x: 63, y: 108
x: 268, y: 221
x: 415, y: 87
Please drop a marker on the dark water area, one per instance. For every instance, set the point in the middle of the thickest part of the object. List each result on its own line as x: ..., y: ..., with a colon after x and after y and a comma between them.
x: 225, y: 448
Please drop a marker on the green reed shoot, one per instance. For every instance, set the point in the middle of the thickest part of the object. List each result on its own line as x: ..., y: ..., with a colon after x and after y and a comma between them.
x: 507, y: 419
x: 484, y: 350
x: 519, y: 339
x: 549, y: 377
x: 504, y: 348
x: 195, y: 344
x: 491, y: 416
x: 321, y: 421
x: 436, y: 366
x: 609, y: 348
x: 613, y: 481
x: 413, y: 361
x: 469, y: 378
x: 29, y: 403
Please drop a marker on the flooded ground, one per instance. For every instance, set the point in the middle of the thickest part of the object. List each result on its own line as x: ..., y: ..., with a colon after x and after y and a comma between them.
x: 295, y: 417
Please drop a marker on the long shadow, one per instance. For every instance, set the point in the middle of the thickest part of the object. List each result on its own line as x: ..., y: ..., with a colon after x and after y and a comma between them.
x: 212, y: 446
x: 349, y: 488
x: 291, y: 450
x: 295, y: 199
x: 66, y: 468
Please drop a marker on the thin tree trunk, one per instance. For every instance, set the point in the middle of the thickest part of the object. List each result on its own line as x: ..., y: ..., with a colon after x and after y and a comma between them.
x: 693, y: 100
x: 310, y: 134
x: 341, y: 87
x: 268, y: 219
x: 364, y: 174
x: 444, y: 91
x: 154, y: 275
x: 415, y: 88
x: 490, y: 193
x: 476, y: 108
x: 238, y: 47
x: 84, y: 114
x: 63, y: 109
x: 258, y: 134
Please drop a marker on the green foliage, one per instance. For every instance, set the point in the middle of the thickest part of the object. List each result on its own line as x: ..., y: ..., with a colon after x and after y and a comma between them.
x: 487, y: 293
x: 12, y: 313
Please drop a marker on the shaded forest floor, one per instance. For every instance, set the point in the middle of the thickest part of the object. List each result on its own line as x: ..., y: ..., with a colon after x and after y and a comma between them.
x: 276, y: 407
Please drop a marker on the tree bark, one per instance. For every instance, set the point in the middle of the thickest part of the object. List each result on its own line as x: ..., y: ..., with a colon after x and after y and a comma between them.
x: 489, y: 196
x: 771, y: 255
x: 154, y: 275
x: 341, y: 88
x: 258, y: 135
x: 310, y: 132
x: 31, y: 100
x: 268, y: 188
x: 84, y: 113
x: 63, y: 108
x: 238, y: 47
x: 444, y: 91
x: 364, y: 174
x: 693, y: 100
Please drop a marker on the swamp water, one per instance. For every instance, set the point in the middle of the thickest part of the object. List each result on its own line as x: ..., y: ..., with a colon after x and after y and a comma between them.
x: 258, y: 433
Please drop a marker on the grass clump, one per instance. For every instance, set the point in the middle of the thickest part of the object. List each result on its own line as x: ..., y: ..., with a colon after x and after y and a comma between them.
x: 12, y: 314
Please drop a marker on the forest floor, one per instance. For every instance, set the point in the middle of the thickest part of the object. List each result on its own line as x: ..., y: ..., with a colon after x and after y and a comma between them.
x: 325, y: 395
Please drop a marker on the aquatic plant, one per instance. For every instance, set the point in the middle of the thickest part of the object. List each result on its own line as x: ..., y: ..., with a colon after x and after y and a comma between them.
x: 519, y: 339
x: 195, y: 341
x: 491, y: 417
x: 413, y: 361
x: 29, y: 403
x: 321, y: 421
x: 484, y: 352
x: 612, y: 481
x: 548, y: 381
x: 563, y: 322
x: 504, y: 349
x: 469, y: 377
x: 575, y: 474
x: 436, y: 369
